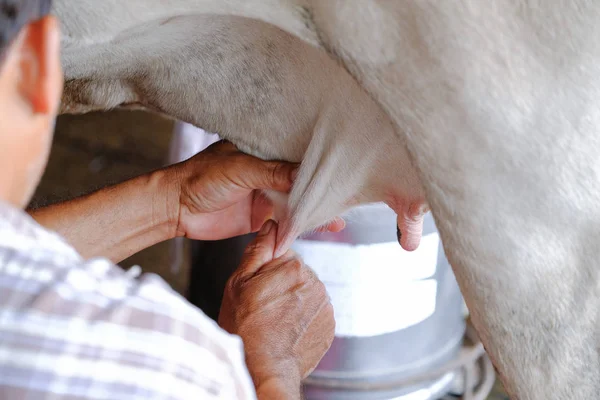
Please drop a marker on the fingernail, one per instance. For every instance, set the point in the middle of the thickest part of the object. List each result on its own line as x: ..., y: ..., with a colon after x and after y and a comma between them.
x: 398, y: 234
x: 266, y: 228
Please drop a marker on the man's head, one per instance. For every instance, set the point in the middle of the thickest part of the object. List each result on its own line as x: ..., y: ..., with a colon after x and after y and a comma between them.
x: 30, y: 89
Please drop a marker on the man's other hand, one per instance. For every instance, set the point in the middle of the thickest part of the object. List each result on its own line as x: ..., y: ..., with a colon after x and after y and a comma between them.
x: 283, y: 314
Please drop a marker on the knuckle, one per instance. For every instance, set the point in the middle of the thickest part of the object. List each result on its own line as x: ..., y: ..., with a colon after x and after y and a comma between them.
x: 275, y: 169
x: 321, y: 291
x: 328, y: 310
x: 243, y: 312
x: 225, y: 146
x: 296, y: 264
x: 233, y: 283
x: 310, y: 273
x: 311, y: 278
x: 296, y: 267
x: 240, y: 159
x: 279, y: 174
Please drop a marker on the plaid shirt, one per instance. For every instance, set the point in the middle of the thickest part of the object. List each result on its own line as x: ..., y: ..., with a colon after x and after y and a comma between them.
x: 77, y: 329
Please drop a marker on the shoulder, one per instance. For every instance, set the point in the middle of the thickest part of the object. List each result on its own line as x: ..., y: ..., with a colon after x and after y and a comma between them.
x: 91, y: 322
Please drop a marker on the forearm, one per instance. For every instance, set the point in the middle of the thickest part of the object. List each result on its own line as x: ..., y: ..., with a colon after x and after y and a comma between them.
x: 118, y: 221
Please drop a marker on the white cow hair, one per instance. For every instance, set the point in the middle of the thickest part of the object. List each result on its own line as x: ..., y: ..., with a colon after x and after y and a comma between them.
x: 497, y: 102
x: 268, y: 92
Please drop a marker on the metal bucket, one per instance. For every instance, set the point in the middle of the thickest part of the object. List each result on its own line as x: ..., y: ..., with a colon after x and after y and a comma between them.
x: 398, y: 314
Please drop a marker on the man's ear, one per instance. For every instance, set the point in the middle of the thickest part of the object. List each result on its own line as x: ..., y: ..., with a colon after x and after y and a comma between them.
x: 40, y: 77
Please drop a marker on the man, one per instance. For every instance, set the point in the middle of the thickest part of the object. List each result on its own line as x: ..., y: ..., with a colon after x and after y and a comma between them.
x: 73, y: 325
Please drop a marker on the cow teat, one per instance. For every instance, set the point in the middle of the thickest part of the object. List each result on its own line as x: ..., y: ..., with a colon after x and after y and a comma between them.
x: 409, y: 223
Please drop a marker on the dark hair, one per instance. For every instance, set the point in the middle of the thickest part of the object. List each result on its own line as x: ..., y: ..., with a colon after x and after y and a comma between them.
x: 15, y: 15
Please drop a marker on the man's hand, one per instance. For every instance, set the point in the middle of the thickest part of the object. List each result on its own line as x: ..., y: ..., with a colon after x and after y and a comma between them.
x: 214, y: 195
x: 220, y: 193
x: 282, y: 312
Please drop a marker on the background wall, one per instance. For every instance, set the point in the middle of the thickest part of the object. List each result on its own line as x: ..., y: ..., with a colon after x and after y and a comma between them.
x: 94, y: 150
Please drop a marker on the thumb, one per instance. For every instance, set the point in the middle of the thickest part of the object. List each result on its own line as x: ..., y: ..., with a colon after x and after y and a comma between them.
x: 272, y: 175
x: 260, y: 250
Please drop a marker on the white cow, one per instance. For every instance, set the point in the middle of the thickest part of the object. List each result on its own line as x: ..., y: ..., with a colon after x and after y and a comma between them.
x: 497, y: 103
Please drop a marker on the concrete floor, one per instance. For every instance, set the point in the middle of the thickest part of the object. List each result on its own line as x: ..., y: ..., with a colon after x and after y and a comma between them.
x: 98, y: 149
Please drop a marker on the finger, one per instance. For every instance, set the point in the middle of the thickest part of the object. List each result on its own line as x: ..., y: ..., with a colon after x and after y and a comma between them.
x: 261, y: 210
x: 223, y: 145
x: 260, y: 250
x: 283, y: 279
x: 279, y: 262
x: 287, y: 274
x: 335, y: 225
x: 274, y: 175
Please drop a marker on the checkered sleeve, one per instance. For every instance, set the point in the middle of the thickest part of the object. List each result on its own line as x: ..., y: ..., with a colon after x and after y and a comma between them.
x: 89, y: 330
